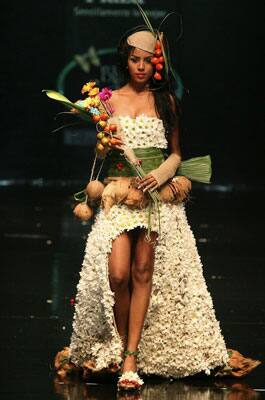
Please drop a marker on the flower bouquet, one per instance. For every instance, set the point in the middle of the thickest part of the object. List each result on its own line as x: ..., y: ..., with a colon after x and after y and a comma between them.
x: 94, y: 108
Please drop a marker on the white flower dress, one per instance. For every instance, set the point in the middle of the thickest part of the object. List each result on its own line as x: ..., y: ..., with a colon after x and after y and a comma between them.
x: 181, y: 335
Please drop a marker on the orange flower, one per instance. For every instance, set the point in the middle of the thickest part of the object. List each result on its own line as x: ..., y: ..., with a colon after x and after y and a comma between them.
x: 87, y: 87
x: 94, y: 91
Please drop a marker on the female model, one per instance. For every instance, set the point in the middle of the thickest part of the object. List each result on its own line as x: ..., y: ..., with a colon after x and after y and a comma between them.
x: 132, y: 256
x: 144, y: 304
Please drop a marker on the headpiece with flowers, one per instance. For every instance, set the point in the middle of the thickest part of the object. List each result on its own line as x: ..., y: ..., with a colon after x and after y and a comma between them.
x: 154, y: 41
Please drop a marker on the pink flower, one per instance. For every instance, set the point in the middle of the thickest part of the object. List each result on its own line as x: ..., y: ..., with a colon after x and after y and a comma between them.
x: 105, y: 94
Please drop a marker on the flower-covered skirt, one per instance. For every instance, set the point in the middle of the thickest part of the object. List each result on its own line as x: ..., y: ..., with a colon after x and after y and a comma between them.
x: 181, y: 334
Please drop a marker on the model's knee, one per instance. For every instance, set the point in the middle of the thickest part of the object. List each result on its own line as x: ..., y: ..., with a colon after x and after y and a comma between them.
x: 142, y: 272
x: 119, y: 281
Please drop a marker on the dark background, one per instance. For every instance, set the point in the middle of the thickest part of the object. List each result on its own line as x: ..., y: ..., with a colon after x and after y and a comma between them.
x: 219, y: 59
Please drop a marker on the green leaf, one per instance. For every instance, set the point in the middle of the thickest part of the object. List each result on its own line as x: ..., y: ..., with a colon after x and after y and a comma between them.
x: 80, y: 196
x: 160, y: 38
x: 56, y: 96
x: 82, y: 113
x: 66, y: 126
x: 145, y: 17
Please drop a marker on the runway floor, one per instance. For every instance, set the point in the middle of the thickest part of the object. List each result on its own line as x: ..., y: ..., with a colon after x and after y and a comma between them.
x: 41, y: 253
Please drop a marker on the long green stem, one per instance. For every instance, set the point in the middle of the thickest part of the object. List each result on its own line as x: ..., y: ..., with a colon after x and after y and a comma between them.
x: 100, y: 168
x: 154, y: 196
x: 93, y: 168
x: 80, y: 196
x: 149, y: 221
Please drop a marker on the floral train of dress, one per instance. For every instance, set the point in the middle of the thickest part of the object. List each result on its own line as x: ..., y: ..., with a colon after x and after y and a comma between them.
x: 181, y: 334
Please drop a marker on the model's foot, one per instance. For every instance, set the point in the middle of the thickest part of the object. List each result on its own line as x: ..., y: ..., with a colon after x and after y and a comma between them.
x: 129, y: 363
x: 129, y: 379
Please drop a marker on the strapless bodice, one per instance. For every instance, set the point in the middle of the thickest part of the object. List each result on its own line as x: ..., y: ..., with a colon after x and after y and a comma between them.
x: 143, y: 131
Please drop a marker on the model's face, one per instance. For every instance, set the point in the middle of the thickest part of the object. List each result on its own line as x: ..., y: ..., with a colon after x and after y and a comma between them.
x: 139, y: 66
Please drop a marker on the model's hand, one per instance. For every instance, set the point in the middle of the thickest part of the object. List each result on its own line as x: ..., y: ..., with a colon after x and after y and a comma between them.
x: 149, y: 182
x: 116, y: 143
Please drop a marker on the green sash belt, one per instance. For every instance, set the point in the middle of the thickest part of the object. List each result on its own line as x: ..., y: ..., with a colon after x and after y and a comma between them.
x: 197, y: 169
x: 151, y: 158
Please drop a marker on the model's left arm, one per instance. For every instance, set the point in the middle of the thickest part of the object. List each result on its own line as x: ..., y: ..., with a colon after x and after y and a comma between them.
x: 167, y: 169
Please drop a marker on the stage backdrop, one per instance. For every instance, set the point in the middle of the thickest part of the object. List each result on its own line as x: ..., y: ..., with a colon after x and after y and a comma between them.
x: 61, y: 45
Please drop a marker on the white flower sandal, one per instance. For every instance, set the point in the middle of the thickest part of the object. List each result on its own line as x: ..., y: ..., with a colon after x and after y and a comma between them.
x: 130, y: 380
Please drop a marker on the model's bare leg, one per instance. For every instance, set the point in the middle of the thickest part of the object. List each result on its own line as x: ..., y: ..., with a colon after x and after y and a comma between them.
x: 119, y: 275
x: 141, y: 275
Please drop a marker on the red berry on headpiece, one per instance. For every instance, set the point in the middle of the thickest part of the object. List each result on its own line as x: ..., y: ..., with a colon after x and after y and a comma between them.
x: 157, y: 76
x: 158, y: 45
x: 159, y: 67
x: 158, y: 52
x: 161, y: 59
x: 154, y: 60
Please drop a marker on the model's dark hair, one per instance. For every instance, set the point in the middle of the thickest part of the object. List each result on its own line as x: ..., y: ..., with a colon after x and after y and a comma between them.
x: 166, y: 103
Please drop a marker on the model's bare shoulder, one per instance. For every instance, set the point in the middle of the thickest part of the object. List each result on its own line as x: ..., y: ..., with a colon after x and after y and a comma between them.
x: 116, y: 97
x: 121, y: 91
x: 115, y: 94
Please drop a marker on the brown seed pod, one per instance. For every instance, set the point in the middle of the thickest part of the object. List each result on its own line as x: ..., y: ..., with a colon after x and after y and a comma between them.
x: 94, y: 190
x: 83, y: 211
